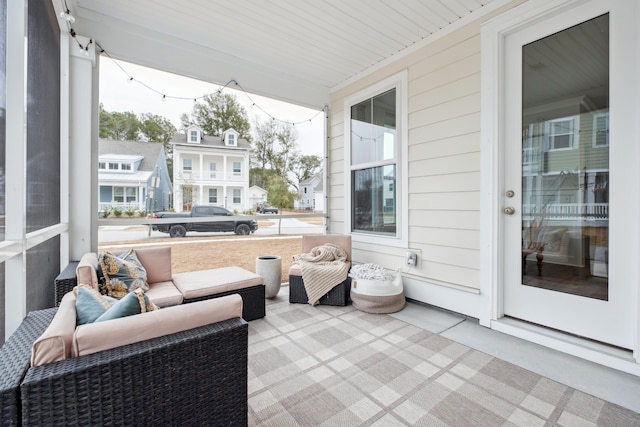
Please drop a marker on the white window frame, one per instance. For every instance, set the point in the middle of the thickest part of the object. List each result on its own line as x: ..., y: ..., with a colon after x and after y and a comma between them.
x: 193, y: 136
x: 231, y: 139
x: 238, y: 171
x: 399, y: 82
x: 597, y: 116
x: 573, y: 133
x: 213, y: 195
x: 237, y: 196
x: 126, y: 167
x: 185, y: 168
x: 213, y: 170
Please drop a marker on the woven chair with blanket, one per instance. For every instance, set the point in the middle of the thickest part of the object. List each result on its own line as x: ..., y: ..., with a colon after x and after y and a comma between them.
x: 324, y: 264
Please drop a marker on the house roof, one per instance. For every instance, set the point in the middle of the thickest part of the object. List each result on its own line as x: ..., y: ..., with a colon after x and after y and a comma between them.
x: 317, y: 178
x: 209, y: 141
x: 148, y: 150
x: 296, y: 52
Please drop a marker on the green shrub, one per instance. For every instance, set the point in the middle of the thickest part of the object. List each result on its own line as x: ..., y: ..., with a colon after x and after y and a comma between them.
x: 117, y: 212
x: 106, y: 211
x: 142, y: 213
x: 129, y: 211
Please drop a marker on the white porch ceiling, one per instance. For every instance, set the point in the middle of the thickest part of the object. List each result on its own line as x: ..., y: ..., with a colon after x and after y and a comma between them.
x: 292, y: 50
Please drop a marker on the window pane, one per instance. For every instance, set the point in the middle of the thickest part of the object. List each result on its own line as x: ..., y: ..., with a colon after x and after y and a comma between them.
x: 373, y: 129
x: 374, y: 199
x: 131, y: 194
x: 565, y: 185
x: 213, y: 195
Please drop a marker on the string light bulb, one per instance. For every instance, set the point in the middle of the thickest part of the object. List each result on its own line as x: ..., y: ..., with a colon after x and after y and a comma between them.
x: 66, y: 15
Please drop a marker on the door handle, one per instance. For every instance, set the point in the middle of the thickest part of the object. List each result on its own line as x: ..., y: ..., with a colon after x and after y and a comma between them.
x: 509, y: 210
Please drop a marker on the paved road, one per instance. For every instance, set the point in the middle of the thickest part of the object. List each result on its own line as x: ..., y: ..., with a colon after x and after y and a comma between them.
x: 141, y: 232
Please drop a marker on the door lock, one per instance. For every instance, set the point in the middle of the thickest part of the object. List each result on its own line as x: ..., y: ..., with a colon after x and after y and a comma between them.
x: 509, y: 210
x: 510, y: 193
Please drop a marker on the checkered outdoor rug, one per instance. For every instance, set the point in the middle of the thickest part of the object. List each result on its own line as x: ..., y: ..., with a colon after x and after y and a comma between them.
x: 337, y: 366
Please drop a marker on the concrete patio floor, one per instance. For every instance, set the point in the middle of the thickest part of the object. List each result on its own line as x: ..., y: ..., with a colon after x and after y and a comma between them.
x: 338, y: 366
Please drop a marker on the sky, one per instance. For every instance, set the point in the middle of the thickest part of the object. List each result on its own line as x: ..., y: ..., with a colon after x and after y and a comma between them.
x: 144, y: 95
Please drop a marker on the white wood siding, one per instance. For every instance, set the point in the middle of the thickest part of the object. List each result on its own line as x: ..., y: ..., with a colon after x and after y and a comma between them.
x: 443, y: 166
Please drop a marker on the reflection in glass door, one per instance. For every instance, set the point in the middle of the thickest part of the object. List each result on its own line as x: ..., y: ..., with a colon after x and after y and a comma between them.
x: 565, y: 161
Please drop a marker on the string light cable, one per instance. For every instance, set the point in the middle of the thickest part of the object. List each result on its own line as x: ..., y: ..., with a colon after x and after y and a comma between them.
x: 164, y: 96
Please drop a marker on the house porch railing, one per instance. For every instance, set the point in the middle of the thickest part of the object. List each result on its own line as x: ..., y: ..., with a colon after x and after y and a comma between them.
x: 567, y: 211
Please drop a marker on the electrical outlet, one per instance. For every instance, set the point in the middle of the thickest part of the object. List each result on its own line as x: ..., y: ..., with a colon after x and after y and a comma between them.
x: 412, y: 259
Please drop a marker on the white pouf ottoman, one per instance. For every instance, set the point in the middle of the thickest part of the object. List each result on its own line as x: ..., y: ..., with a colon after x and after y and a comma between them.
x: 378, y: 296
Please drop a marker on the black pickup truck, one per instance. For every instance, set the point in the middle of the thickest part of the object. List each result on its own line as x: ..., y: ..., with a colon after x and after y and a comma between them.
x: 222, y: 221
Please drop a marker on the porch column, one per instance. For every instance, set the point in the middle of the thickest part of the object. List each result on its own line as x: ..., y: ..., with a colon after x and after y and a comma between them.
x: 177, y: 191
x: 201, y: 178
x: 246, y: 201
x: 15, y: 291
x: 83, y: 149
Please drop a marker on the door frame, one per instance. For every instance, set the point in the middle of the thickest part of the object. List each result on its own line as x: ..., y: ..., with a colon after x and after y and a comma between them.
x: 493, y: 36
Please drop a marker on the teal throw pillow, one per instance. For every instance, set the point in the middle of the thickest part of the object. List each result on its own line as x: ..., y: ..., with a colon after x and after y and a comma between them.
x: 135, y: 302
x: 90, y: 304
x: 122, y: 274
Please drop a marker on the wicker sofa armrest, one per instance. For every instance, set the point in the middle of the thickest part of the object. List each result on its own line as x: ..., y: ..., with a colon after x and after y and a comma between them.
x: 65, y: 281
x: 14, y: 362
x: 193, y: 377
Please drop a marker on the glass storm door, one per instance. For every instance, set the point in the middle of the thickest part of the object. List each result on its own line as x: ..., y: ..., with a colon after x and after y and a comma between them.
x: 562, y: 136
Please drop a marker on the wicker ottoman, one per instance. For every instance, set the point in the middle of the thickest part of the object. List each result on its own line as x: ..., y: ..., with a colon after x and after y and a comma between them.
x: 378, y: 296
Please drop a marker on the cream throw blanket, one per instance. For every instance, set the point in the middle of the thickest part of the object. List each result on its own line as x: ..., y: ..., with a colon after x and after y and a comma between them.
x: 323, y: 268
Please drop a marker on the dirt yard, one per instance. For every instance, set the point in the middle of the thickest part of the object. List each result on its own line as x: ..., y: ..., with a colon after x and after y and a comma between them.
x: 197, y: 253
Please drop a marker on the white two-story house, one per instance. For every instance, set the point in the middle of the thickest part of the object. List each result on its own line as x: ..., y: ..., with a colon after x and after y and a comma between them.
x: 210, y: 169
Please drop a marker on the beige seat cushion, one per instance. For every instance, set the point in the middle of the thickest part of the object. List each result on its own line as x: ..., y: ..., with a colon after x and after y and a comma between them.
x: 164, y: 294
x: 196, y: 284
x: 86, y: 271
x: 55, y: 342
x: 157, y: 263
x: 95, y: 337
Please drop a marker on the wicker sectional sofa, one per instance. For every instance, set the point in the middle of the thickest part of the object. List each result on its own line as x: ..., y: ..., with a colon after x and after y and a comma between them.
x: 168, y: 288
x: 182, y: 365
x: 195, y: 376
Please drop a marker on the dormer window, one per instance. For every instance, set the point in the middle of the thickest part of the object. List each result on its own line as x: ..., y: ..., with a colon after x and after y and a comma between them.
x: 194, y: 134
x: 230, y: 138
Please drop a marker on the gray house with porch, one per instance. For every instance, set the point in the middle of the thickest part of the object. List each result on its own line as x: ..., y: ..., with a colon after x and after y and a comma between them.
x: 133, y: 175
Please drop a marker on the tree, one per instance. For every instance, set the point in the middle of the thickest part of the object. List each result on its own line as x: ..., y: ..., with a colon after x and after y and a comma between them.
x: 157, y: 129
x: 279, y: 192
x: 260, y: 177
x: 126, y: 126
x: 263, y: 144
x: 118, y: 126
x: 218, y: 112
x: 304, y: 167
x: 281, y: 161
